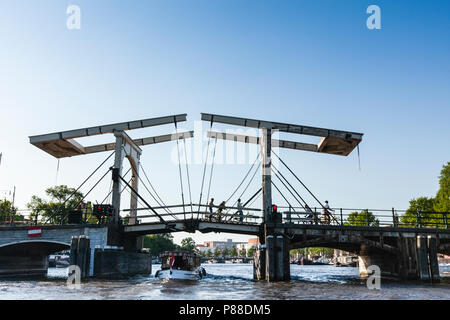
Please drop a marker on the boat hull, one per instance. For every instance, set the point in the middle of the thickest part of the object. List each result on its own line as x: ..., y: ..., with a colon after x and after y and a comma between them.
x: 197, y: 274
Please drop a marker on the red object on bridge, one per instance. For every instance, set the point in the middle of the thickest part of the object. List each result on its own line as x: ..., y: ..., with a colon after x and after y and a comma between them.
x: 34, y: 232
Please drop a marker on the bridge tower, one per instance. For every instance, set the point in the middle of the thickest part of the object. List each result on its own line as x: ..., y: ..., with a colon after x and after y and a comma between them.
x: 125, y: 147
x: 272, y: 259
x: 63, y: 144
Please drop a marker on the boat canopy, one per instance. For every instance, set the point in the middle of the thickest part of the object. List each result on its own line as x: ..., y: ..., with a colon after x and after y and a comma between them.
x: 184, y: 260
x: 178, y: 254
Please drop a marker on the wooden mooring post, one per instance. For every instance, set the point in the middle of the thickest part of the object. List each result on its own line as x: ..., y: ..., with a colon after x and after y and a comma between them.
x: 80, y: 253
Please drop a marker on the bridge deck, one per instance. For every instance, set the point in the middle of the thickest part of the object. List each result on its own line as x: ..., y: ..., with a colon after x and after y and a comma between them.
x: 254, y: 228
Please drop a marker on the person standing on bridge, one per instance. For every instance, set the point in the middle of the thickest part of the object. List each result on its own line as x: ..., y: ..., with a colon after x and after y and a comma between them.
x: 326, y: 213
x: 211, y: 206
x: 239, y: 212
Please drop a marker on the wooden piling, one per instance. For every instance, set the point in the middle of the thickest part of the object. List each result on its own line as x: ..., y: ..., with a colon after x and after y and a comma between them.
x: 270, y: 259
x: 80, y: 253
x: 432, y: 256
x: 259, y: 264
x: 73, y: 250
x: 422, y: 258
x: 279, y: 266
x: 282, y: 272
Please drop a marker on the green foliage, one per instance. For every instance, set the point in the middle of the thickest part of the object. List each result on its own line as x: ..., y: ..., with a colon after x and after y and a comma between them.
x: 442, y: 200
x: 363, y: 218
x: 301, y: 251
x: 53, y: 210
x: 320, y: 251
x: 251, y: 252
x: 208, y: 253
x: 158, y: 243
x: 436, y: 207
x: 225, y: 252
x: 8, y: 212
x: 188, y: 244
x: 418, y: 213
x: 315, y: 251
x: 201, y: 253
x: 242, y: 252
x: 233, y: 252
x: 217, y: 252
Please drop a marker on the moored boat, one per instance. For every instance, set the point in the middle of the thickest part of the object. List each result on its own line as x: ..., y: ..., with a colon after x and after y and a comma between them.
x: 180, y: 265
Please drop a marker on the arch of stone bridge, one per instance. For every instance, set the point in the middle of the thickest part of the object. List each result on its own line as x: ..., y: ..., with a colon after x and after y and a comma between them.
x: 40, y: 247
x: 353, y: 245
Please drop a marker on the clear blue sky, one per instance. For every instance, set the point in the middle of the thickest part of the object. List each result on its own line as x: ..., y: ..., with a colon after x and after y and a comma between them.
x: 305, y: 62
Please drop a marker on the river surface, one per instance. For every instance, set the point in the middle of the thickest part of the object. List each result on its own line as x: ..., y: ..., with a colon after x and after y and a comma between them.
x: 227, y: 281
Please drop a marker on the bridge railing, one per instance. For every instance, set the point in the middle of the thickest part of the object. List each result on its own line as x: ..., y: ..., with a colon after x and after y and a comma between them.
x: 20, y: 217
x: 367, y: 217
x: 214, y: 213
x: 27, y: 217
x: 292, y: 215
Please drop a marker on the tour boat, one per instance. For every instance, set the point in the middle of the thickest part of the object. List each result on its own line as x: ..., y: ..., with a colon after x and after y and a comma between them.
x: 180, y: 265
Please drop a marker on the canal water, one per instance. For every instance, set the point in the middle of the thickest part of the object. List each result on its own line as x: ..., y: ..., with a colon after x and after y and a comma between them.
x: 227, y: 281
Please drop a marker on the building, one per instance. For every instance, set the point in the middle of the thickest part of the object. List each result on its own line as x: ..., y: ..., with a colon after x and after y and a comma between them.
x: 251, y: 243
x: 212, y: 245
x: 343, y: 257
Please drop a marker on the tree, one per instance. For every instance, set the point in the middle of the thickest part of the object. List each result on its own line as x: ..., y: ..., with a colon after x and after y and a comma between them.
x: 8, y: 211
x: 363, y: 218
x: 426, y: 211
x: 419, y: 213
x: 158, y: 243
x: 233, y: 252
x: 442, y: 200
x: 320, y: 251
x: 208, y: 253
x: 188, y: 244
x: 300, y: 251
x: 251, y: 251
x: 217, y: 252
x: 57, y: 208
x: 242, y: 252
x: 225, y: 252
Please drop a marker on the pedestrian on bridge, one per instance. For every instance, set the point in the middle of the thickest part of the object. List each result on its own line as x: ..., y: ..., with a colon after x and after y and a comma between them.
x: 219, y: 211
x: 211, y: 206
x: 240, y: 213
x: 326, y: 213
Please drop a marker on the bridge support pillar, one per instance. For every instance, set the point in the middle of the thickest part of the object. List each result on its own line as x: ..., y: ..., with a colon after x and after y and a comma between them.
x: 125, y: 147
x: 387, y: 263
x: 277, y: 259
x: 407, y: 260
x: 432, y: 256
x: 80, y: 254
x: 422, y: 258
x: 417, y: 259
x: 259, y: 264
